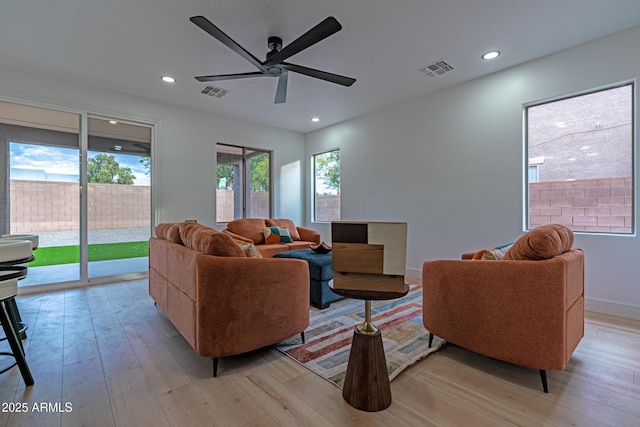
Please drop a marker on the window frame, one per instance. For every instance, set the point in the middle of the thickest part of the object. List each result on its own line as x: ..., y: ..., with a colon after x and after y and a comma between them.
x: 526, y: 217
x: 314, y: 214
x: 246, y: 184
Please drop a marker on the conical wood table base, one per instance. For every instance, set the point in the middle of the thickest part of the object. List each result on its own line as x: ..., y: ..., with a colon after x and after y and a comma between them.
x: 366, y: 385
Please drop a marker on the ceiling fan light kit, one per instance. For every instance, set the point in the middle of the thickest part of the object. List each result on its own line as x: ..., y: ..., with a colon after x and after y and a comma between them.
x: 274, y: 65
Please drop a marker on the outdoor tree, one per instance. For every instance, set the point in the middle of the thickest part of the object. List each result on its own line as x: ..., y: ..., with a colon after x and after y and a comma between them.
x: 260, y: 172
x: 146, y: 164
x: 224, y: 177
x: 259, y: 168
x: 104, y: 169
x: 328, y: 169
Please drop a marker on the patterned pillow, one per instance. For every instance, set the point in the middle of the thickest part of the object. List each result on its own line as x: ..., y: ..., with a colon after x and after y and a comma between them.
x: 495, y: 253
x: 283, y: 222
x: 250, y: 250
x: 277, y: 235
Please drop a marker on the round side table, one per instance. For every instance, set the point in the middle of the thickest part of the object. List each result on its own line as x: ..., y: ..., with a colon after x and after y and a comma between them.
x: 366, y: 384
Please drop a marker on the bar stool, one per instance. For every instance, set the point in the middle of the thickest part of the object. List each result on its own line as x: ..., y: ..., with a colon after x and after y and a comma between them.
x: 15, y: 250
x: 8, y: 291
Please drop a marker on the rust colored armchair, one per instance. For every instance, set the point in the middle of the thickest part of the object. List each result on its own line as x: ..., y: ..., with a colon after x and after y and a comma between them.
x: 526, y: 309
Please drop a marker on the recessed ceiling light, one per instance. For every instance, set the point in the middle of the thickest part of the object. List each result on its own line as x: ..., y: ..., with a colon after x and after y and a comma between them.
x: 491, y: 55
x: 315, y: 119
x: 113, y: 122
x: 168, y: 79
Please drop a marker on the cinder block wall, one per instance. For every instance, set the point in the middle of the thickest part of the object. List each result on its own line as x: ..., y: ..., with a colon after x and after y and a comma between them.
x: 38, y: 206
x: 583, y: 205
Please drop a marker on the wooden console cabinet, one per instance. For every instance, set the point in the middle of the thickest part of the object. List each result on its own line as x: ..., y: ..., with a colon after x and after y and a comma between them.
x: 369, y: 256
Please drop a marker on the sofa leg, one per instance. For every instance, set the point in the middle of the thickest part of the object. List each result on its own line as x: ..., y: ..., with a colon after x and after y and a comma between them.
x: 430, y: 339
x: 543, y: 376
x: 215, y: 366
x: 302, y: 336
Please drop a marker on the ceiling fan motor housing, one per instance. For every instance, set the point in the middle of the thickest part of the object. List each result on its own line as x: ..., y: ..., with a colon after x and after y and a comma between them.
x: 274, y: 43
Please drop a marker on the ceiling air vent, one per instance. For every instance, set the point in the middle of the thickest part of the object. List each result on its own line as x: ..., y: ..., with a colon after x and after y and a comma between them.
x: 437, y: 68
x: 216, y: 92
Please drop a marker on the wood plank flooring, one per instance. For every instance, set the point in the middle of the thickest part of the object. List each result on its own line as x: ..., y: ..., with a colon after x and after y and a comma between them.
x: 113, y: 358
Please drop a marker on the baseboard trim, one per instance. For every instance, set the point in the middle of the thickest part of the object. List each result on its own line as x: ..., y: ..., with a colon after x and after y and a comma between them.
x: 612, y: 308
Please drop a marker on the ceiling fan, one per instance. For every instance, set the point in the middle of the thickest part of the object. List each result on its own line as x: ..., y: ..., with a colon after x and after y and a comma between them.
x: 274, y: 65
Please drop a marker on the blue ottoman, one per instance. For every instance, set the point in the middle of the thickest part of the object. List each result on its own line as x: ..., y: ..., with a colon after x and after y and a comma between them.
x: 320, y: 273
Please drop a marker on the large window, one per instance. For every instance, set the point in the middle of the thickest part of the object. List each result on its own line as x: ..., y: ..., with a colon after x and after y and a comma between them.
x: 579, y: 161
x: 326, y: 186
x: 243, y: 183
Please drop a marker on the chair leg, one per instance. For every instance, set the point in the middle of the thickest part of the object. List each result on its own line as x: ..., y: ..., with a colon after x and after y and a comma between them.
x: 15, y: 344
x: 543, y: 376
x: 215, y: 367
x: 302, y: 336
x: 430, y: 339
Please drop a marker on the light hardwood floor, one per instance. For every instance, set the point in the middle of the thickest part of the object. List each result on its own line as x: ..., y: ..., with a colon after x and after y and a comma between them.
x: 110, y: 354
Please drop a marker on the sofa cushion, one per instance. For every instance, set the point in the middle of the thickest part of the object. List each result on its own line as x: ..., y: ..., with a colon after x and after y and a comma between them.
x: 209, y: 241
x: 250, y: 228
x: 273, y: 235
x: 169, y: 231
x: 542, y: 242
x: 283, y: 222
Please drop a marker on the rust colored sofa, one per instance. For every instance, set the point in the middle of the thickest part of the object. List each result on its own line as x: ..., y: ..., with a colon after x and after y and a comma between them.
x: 526, y: 308
x: 252, y: 230
x: 221, y: 301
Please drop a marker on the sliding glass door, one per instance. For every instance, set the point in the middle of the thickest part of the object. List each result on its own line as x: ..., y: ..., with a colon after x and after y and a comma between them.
x: 42, y: 150
x: 83, y: 185
x: 119, y: 197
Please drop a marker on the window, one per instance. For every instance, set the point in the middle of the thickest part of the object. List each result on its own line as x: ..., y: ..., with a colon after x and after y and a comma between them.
x: 326, y: 186
x: 579, y: 161
x: 243, y: 183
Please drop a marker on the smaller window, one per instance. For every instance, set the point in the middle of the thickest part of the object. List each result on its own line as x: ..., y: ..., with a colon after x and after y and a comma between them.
x: 326, y: 186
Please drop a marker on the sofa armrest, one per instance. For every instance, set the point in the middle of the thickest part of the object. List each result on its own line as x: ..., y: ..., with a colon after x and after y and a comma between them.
x: 248, y: 303
x: 309, y: 235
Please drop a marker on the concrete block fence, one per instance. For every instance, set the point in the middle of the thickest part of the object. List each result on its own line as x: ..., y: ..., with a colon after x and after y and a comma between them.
x: 603, y: 205
x: 40, y: 206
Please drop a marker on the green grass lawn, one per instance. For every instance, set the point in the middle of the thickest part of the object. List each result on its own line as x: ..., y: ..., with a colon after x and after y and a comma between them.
x: 54, y: 255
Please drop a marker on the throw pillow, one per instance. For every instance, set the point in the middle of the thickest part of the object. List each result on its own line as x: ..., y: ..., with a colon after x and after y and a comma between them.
x: 277, y: 235
x: 542, y: 242
x: 250, y: 250
x: 496, y: 253
x: 284, y: 222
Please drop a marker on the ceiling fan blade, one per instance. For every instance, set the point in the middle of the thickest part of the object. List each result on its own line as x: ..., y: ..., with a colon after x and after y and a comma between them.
x: 216, y: 32
x: 318, y: 33
x: 232, y: 76
x: 318, y: 74
x: 281, y: 92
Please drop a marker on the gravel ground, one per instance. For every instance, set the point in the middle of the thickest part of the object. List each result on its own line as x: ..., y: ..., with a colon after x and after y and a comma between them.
x: 69, y: 238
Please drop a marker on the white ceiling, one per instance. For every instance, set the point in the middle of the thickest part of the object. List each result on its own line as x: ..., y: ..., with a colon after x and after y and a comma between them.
x: 127, y: 45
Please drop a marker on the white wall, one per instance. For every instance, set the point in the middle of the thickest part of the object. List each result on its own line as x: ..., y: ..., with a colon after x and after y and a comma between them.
x: 184, y: 152
x: 450, y: 164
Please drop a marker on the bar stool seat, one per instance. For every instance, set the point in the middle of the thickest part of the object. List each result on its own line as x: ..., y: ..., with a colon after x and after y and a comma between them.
x: 13, y: 251
x: 33, y: 238
x: 8, y: 291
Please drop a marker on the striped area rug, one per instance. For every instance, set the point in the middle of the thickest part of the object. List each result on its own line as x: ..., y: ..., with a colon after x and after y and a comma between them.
x: 328, y: 338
